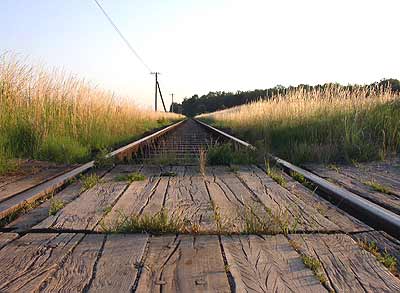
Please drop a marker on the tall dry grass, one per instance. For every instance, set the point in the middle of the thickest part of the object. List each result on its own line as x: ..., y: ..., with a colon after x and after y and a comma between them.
x: 324, y: 125
x: 54, y: 116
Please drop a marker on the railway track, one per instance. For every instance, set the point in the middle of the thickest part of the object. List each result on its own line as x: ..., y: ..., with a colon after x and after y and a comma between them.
x: 224, y: 228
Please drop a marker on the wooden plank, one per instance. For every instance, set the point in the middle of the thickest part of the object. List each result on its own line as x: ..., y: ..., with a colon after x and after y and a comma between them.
x: 344, y: 221
x: 85, y: 212
x: 187, y: 198
x: 28, y: 261
x: 388, y: 201
x: 383, y: 241
x: 133, y: 200
x: 38, y: 214
x: 287, y: 207
x: 75, y: 274
x: 229, y: 214
x: 120, y: 261
x: 231, y: 209
x: 267, y: 264
x: 6, y: 238
x: 184, y: 263
x: 346, y: 266
x: 233, y: 186
x: 30, y: 181
x: 155, y: 201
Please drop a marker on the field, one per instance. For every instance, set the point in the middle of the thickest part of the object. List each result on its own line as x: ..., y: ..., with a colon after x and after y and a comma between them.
x: 50, y: 115
x: 331, y: 124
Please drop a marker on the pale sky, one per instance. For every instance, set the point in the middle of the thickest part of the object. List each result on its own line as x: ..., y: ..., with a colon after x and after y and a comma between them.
x: 208, y: 45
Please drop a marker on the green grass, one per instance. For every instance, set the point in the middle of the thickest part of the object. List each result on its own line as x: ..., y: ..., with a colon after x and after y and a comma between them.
x: 224, y: 154
x: 55, y: 205
x: 159, y: 223
x: 315, y: 265
x: 389, y: 261
x: 275, y: 174
x: 7, y: 164
x: 89, y: 181
x: 135, y: 176
x: 61, y: 118
x: 168, y: 174
x: 377, y: 187
x: 330, y: 125
x: 301, y: 179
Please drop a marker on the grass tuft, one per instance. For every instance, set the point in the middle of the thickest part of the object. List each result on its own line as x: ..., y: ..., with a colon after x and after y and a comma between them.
x: 56, y: 204
x: 389, y: 261
x: 301, y: 179
x: 135, y: 176
x: 377, y: 187
x: 224, y: 154
x: 275, y: 174
x: 160, y: 223
x: 315, y: 265
x: 89, y: 181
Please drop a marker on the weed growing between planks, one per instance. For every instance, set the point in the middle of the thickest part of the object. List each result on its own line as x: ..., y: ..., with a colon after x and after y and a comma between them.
x: 275, y: 174
x: 159, y: 223
x: 202, y: 161
x: 135, y: 176
x: 312, y: 263
x: 89, y: 181
x: 301, y: 179
x: 377, y: 187
x: 56, y: 204
x: 389, y: 261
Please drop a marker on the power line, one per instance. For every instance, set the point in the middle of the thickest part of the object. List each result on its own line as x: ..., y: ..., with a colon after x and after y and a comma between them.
x: 122, y: 36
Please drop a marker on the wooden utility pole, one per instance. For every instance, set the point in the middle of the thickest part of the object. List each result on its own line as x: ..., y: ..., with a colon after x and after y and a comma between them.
x: 172, y: 103
x: 156, y: 89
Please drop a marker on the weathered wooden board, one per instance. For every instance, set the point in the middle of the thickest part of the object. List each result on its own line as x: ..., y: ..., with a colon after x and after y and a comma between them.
x: 133, y: 200
x: 27, y: 261
x: 76, y: 272
x: 13, y: 188
x: 388, y: 201
x: 85, y: 212
x: 230, y: 210
x: 383, y: 241
x: 5, y: 238
x: 38, y: 214
x: 347, y: 267
x: 267, y: 264
x: 187, y: 198
x: 344, y: 221
x: 120, y: 261
x: 253, y: 209
x: 185, y: 264
x: 284, y: 205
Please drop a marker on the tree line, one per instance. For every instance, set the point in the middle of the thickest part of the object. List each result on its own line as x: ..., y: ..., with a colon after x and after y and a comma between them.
x: 214, y: 101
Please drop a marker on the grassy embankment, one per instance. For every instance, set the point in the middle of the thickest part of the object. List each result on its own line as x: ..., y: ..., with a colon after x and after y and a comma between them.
x: 330, y: 125
x: 58, y: 117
